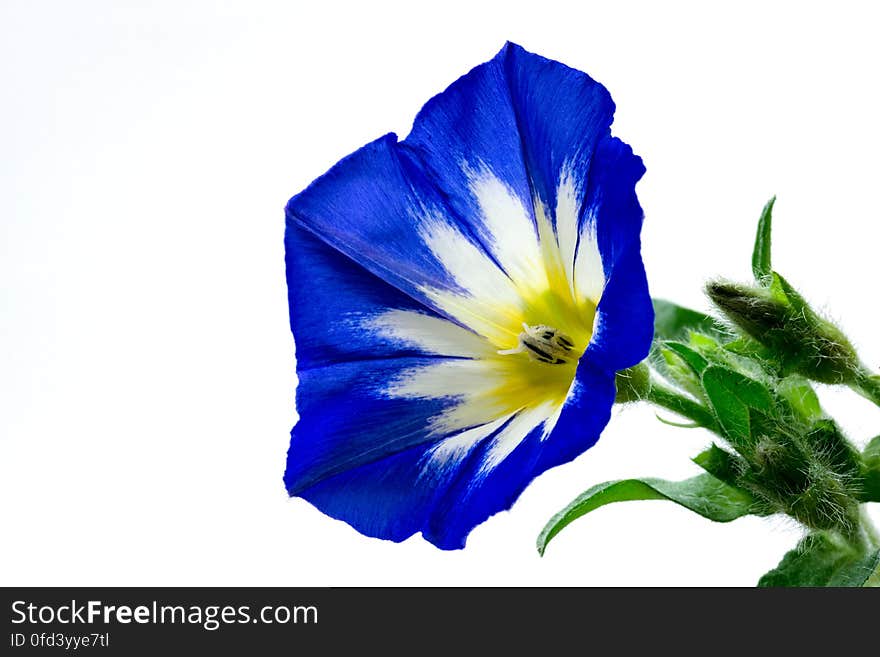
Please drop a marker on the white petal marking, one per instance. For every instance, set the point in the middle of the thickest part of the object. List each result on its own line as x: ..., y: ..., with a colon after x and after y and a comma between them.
x: 430, y: 334
x: 492, y: 397
x: 550, y: 253
x: 445, y: 378
x: 452, y: 450
x: 512, y: 236
x: 589, y: 273
x: 568, y: 198
x: 515, y: 432
x: 490, y: 300
x: 472, y: 269
x: 470, y: 381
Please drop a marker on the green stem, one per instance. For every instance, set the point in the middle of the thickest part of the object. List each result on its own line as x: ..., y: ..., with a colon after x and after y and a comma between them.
x: 867, y: 385
x: 685, y: 406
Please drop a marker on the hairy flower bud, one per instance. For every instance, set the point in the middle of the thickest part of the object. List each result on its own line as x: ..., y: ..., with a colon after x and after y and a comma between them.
x: 779, y: 318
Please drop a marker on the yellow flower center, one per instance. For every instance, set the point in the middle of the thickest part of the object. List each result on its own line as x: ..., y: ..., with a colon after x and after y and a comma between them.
x: 537, y: 357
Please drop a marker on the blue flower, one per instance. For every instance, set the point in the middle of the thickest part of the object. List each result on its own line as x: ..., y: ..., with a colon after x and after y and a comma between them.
x: 460, y: 301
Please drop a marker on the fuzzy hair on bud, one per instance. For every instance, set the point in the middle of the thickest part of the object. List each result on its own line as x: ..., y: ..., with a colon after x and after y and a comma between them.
x: 779, y: 318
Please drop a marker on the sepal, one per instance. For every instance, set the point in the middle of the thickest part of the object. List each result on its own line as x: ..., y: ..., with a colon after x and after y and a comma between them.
x: 761, y: 264
x: 720, y: 463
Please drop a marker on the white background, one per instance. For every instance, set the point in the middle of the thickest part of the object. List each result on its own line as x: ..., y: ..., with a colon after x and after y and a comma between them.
x: 147, y: 373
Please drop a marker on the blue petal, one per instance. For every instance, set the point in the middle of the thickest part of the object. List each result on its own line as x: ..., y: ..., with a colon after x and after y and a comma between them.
x: 562, y: 113
x: 382, y: 499
x: 370, y: 207
x: 354, y: 249
x: 584, y: 416
x: 328, y: 293
x: 471, y: 500
x: 524, y: 118
x: 346, y: 420
x: 625, y: 313
x: 358, y: 455
x: 469, y: 129
x: 391, y: 499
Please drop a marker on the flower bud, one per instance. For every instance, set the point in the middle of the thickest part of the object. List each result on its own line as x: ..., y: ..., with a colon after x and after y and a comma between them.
x: 779, y: 318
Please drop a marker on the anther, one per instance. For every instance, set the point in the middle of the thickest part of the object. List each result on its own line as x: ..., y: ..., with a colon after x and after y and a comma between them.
x: 542, y: 343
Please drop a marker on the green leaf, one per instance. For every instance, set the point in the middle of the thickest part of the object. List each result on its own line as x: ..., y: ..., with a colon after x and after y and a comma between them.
x: 675, y: 369
x: 704, y: 494
x: 823, y: 559
x: 761, y: 266
x: 799, y: 305
x: 800, y: 394
x: 745, y: 346
x: 672, y: 321
x: 720, y: 463
x: 750, y: 392
x: 705, y: 343
x: 692, y: 359
x: 871, y: 471
x: 731, y: 395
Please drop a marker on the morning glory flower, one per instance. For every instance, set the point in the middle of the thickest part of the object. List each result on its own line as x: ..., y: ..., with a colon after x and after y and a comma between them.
x: 461, y: 300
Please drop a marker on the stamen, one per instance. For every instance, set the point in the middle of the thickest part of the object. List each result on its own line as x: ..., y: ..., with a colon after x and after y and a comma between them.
x: 542, y: 343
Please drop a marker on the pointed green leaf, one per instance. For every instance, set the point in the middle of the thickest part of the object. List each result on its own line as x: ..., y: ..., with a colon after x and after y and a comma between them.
x: 731, y: 395
x: 798, y: 303
x: 871, y: 471
x: 672, y: 321
x: 823, y: 559
x: 692, y: 359
x: 800, y: 394
x: 703, y: 494
x: 732, y: 414
x: 703, y: 342
x: 676, y: 370
x: 750, y: 392
x: 719, y: 463
x: 761, y: 266
x: 745, y: 346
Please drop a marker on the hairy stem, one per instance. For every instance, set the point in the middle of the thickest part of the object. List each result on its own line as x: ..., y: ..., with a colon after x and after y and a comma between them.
x: 867, y: 385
